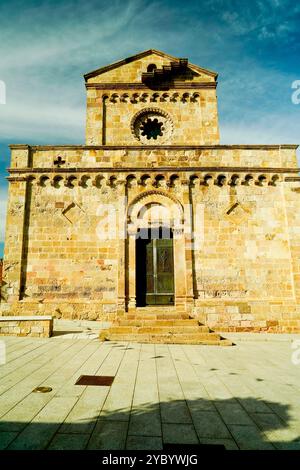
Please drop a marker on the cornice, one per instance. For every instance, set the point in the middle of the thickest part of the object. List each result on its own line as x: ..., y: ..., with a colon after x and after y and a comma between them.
x: 155, y: 147
x: 174, y: 169
x: 292, y: 179
x: 141, y: 86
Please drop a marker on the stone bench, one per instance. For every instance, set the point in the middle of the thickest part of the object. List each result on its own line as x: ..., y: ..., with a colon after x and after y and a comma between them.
x: 36, y: 326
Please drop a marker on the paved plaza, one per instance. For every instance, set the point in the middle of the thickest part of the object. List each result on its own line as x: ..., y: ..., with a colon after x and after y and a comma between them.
x: 242, y: 397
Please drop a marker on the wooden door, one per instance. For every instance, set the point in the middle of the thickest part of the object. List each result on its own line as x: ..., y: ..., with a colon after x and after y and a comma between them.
x: 154, y: 271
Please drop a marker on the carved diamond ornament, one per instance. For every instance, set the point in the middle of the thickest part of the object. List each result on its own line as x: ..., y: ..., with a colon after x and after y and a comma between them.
x: 73, y: 213
x: 238, y: 213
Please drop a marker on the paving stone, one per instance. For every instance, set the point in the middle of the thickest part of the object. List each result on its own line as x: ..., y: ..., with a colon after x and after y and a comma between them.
x: 119, y: 400
x: 266, y: 421
x: 82, y: 418
x: 233, y: 413
x: 292, y: 445
x: 6, y: 438
x: 209, y: 424
x: 144, y: 443
x: 146, y: 422
x: 109, y: 435
x: 175, y: 412
x: 253, y: 405
x: 249, y: 438
x: 229, y: 444
x: 201, y: 404
x: 179, y: 434
x: 69, y: 442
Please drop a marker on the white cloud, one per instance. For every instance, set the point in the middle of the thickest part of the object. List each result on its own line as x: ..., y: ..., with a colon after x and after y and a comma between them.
x: 74, y: 33
x: 267, y: 19
x: 43, y: 122
x: 42, y: 65
x: 269, y: 129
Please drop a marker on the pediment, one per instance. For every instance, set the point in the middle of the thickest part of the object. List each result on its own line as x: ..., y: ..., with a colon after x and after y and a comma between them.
x: 149, y: 67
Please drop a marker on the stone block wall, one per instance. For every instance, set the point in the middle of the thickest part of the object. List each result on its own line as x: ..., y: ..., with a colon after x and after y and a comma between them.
x: 115, y: 95
x: 244, y: 250
x: 66, y: 257
x: 207, y: 158
x: 252, y: 316
x: 39, y: 327
x: 246, y: 259
x: 291, y: 195
x: 193, y: 116
x: 241, y: 267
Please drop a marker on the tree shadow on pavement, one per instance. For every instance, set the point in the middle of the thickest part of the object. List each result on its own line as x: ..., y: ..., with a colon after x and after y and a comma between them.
x: 237, y: 423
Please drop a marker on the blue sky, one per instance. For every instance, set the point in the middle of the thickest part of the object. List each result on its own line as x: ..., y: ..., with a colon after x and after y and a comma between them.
x: 47, y: 46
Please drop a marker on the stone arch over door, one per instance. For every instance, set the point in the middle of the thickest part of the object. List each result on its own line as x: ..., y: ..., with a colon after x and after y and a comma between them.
x: 153, y: 209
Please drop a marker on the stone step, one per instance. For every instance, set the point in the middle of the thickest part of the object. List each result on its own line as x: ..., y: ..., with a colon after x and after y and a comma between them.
x: 216, y: 340
x: 169, y: 325
x: 192, y: 329
x: 163, y: 313
x: 160, y: 309
x: 157, y: 316
x: 147, y: 322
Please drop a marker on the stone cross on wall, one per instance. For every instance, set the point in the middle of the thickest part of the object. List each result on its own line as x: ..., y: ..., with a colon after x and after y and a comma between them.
x: 59, y: 161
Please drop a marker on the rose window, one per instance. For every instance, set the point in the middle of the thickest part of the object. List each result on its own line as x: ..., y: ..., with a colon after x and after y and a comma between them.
x: 151, y: 128
x: 152, y: 125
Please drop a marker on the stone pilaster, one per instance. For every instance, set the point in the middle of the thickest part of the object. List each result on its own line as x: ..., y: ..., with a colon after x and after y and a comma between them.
x: 14, y: 240
x: 131, y: 271
x: 121, y: 211
x: 188, y: 246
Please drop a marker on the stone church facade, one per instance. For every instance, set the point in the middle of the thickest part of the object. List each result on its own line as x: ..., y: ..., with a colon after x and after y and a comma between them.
x: 153, y: 211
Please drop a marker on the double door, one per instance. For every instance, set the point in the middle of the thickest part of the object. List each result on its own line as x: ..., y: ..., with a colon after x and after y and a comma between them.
x: 154, y: 271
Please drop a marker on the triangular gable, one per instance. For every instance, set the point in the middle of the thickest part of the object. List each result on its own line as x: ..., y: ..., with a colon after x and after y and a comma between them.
x: 130, y: 69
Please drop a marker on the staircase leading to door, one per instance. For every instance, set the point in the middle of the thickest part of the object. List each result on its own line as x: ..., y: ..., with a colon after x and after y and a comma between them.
x: 162, y: 325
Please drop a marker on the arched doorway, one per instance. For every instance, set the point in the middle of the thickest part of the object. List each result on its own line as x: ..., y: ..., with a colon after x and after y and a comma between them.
x: 154, y: 211
x: 154, y: 266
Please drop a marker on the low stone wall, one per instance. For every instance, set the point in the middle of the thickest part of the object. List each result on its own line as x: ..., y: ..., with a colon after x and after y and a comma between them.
x: 34, y: 326
x: 252, y: 316
x: 220, y: 315
x: 67, y: 310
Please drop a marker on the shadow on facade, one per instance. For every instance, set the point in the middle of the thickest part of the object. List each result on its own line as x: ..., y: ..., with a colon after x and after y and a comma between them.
x: 238, y: 423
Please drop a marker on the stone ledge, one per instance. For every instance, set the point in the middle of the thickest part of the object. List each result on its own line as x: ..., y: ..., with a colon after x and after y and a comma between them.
x: 26, y: 318
x: 186, y: 169
x: 26, y: 325
x: 270, y: 337
x: 168, y: 86
x: 157, y: 147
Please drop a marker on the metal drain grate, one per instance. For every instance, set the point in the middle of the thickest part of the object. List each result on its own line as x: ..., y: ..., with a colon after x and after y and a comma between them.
x: 99, y: 380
